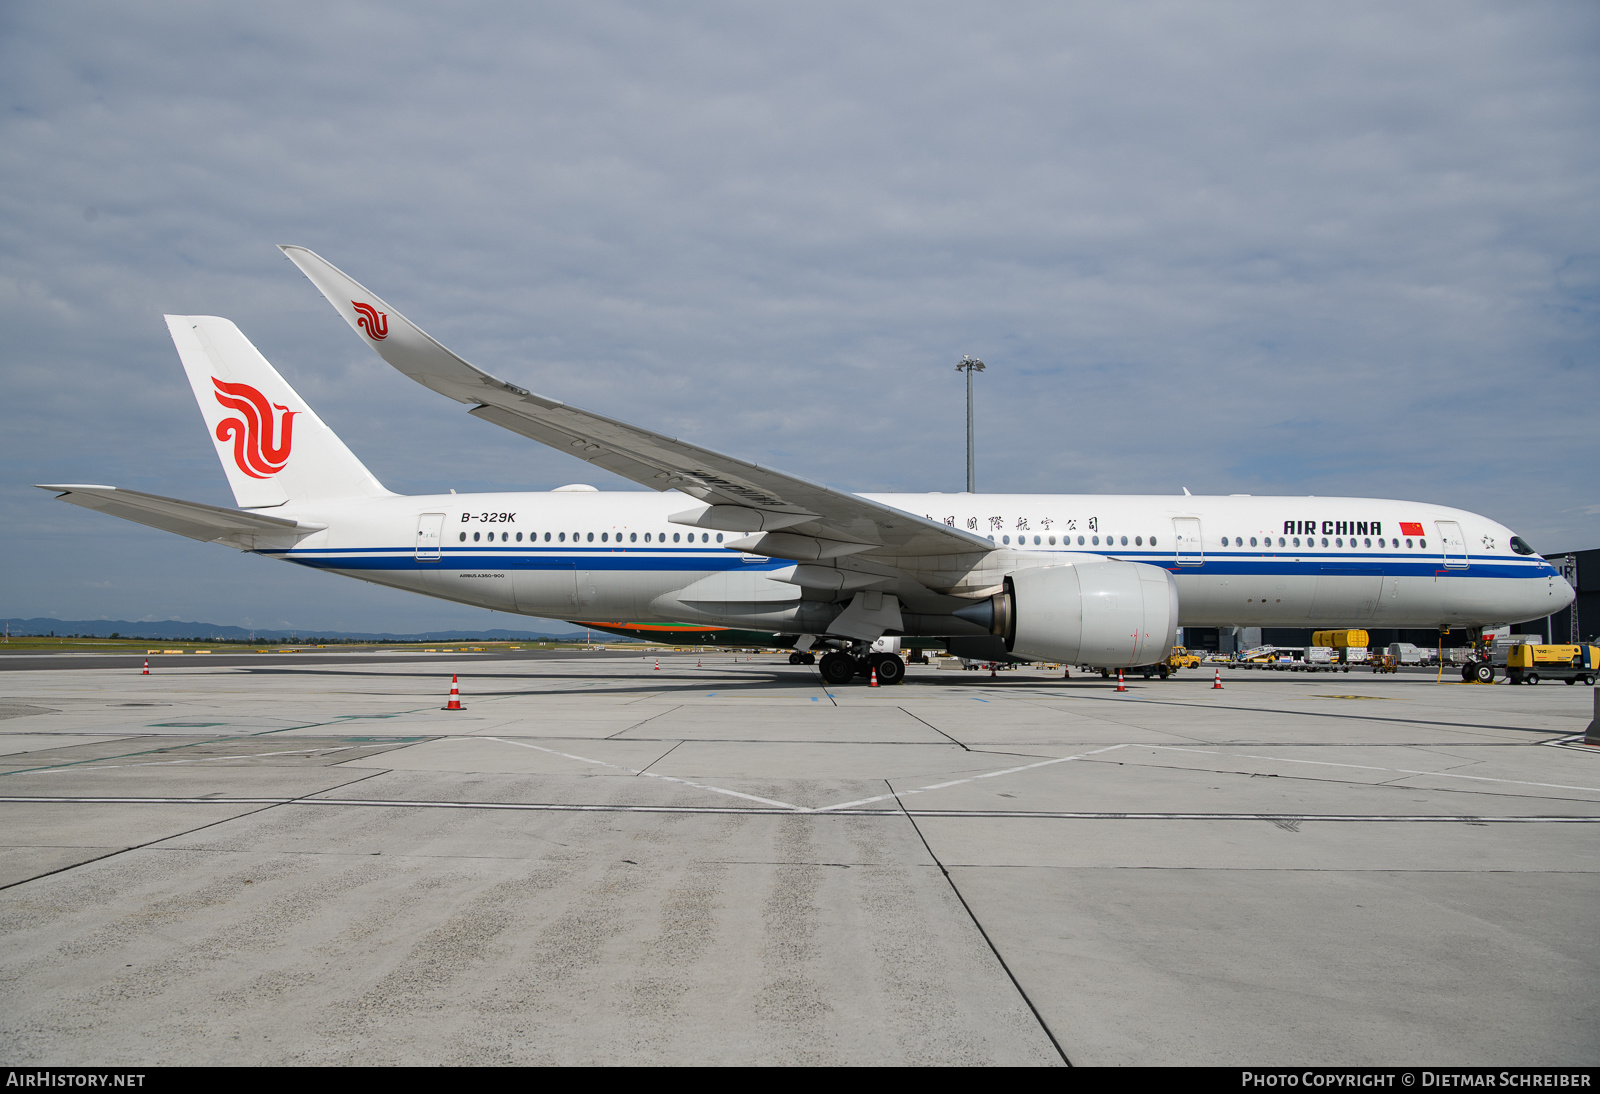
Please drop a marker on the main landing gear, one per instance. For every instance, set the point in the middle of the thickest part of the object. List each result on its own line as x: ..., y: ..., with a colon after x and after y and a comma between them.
x: 839, y: 668
x: 807, y: 658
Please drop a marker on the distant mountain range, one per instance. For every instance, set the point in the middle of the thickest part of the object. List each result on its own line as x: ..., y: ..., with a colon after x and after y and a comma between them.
x: 175, y: 630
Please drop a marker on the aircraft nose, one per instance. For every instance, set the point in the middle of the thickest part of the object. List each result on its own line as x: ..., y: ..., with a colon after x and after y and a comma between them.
x: 1564, y: 594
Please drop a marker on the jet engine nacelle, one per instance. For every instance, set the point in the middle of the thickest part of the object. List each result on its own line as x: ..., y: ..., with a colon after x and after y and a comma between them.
x: 1105, y: 614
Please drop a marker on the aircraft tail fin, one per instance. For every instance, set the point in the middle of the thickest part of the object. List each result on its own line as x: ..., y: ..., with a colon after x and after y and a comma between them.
x: 272, y: 445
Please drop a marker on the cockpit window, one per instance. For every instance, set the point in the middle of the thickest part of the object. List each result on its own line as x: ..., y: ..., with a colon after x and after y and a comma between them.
x: 1519, y: 545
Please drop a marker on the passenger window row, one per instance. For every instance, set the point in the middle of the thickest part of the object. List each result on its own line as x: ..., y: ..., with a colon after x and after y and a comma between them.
x: 1338, y: 541
x: 588, y: 537
x: 1066, y: 541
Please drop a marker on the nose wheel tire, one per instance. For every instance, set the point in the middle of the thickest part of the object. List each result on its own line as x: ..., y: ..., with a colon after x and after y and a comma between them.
x: 1483, y: 672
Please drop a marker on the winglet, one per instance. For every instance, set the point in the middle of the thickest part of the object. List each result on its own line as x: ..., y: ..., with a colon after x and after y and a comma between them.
x: 392, y: 336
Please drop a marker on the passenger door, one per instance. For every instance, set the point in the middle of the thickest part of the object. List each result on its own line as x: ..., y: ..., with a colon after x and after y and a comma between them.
x: 1190, y: 549
x: 430, y: 533
x: 1454, y: 545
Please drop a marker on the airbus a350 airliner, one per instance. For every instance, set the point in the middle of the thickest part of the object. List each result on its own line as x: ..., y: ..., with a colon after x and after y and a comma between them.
x: 1099, y: 580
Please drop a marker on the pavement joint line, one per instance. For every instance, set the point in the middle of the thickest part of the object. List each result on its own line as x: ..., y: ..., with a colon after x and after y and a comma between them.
x: 1366, y: 767
x: 722, y: 810
x: 976, y: 922
x: 645, y: 774
x: 265, y: 805
x: 971, y: 778
x: 1130, y: 700
x: 45, y: 768
x: 936, y: 729
x: 646, y: 769
x: 647, y: 721
x: 199, y: 760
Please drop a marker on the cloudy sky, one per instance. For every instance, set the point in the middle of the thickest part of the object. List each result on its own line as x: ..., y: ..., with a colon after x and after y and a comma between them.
x: 1243, y: 248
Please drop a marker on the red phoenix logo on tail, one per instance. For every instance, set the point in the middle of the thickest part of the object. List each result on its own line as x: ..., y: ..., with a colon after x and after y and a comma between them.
x: 258, y: 448
x: 371, y: 320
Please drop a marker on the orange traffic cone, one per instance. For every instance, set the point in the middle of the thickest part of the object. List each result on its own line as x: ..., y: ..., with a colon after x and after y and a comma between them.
x: 697, y: 662
x: 991, y: 668
x: 455, y: 696
x: 146, y: 671
x: 874, y: 677
x: 1066, y: 672
x: 1217, y: 683
x: 658, y: 664
x: 1120, y: 685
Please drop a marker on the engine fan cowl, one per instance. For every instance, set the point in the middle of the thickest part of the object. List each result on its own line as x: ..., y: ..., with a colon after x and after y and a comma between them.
x: 1106, y: 614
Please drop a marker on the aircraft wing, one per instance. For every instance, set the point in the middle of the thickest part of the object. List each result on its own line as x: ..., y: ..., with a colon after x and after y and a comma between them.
x: 760, y: 499
x: 207, y: 523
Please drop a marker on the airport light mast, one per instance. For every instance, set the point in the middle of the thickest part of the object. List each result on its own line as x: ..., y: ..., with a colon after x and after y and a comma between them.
x: 969, y: 365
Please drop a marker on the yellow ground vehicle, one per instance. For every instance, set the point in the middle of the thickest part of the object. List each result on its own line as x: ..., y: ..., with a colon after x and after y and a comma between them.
x: 1341, y: 640
x: 1383, y: 662
x: 1349, y: 646
x: 1179, y: 658
x: 1528, y: 664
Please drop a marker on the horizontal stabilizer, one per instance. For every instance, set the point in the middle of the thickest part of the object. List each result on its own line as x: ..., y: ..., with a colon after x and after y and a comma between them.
x: 207, y: 523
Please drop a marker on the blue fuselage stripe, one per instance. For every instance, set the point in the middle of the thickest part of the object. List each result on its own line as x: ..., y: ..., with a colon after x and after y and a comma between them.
x: 1237, y: 564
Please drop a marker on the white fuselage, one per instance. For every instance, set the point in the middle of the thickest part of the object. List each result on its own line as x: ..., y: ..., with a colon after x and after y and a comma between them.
x: 1249, y: 561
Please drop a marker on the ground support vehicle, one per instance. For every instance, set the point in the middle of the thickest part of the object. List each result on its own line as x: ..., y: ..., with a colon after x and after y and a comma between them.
x: 1178, y: 658
x: 1527, y: 663
x: 1181, y: 658
x: 1319, y: 657
x: 1404, y: 653
x: 1352, y: 655
x: 1349, y: 646
x: 1293, y: 659
x: 1384, y: 662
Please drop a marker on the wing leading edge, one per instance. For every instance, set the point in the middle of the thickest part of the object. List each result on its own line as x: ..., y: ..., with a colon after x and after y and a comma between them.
x: 742, y: 496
